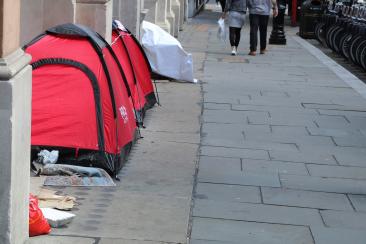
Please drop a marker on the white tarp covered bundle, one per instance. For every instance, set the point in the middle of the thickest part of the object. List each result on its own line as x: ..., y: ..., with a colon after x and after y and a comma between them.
x: 166, y: 55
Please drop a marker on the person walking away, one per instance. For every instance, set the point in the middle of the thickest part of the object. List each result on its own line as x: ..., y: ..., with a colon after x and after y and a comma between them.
x: 259, y: 11
x: 235, y: 11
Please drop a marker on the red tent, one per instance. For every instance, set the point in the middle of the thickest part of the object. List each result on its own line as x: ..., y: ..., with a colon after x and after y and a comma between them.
x: 81, y: 103
x: 140, y: 63
x: 137, y: 93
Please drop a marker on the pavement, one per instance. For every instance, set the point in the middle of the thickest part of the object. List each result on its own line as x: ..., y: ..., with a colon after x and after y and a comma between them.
x: 282, y: 155
x: 265, y: 150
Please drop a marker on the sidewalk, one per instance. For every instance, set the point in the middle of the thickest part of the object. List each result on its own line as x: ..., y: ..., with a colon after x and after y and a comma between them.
x: 282, y: 156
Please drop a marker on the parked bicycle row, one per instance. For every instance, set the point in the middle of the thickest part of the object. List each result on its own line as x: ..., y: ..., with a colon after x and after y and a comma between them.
x: 343, y: 29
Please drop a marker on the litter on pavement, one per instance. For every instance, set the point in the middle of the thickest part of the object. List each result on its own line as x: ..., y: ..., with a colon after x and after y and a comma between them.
x: 57, y: 218
x: 49, y: 199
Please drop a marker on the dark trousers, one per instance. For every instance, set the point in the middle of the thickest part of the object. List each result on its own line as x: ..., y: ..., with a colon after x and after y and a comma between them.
x: 222, y: 3
x: 234, y: 34
x: 258, y: 21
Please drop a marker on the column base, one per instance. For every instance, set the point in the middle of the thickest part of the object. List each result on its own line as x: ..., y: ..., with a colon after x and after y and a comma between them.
x: 15, y: 124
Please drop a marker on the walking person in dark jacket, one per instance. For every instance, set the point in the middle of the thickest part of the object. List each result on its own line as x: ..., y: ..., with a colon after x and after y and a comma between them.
x: 259, y: 11
x: 235, y: 9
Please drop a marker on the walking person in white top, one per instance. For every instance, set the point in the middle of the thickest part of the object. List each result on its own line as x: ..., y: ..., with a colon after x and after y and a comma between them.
x: 235, y: 9
x: 259, y: 11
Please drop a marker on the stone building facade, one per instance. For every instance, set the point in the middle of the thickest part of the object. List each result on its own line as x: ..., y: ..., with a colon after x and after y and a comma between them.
x: 38, y: 15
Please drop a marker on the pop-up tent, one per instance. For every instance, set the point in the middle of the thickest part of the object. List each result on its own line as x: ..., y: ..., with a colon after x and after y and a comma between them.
x: 137, y: 93
x: 81, y: 102
x: 139, y: 61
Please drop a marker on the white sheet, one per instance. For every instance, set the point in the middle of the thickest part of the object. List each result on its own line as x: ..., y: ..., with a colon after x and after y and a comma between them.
x: 165, y: 53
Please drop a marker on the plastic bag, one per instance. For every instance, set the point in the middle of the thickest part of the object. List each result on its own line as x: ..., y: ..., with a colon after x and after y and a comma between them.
x: 38, y: 224
x: 48, y: 157
x: 221, y: 32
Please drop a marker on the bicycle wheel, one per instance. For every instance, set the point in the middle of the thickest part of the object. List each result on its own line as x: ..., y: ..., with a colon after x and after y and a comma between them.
x: 320, y: 33
x: 336, y: 38
x: 329, y: 33
x: 363, y: 58
x: 359, y: 52
x: 353, y: 48
x: 345, y: 45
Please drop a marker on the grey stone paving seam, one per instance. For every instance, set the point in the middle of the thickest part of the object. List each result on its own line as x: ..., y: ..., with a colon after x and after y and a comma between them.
x: 343, y: 219
x: 341, y: 72
x: 347, y: 172
x: 338, y: 235
x: 257, y: 213
x: 306, y: 199
x: 358, y: 201
x: 330, y: 185
x: 226, y: 231
x: 228, y: 193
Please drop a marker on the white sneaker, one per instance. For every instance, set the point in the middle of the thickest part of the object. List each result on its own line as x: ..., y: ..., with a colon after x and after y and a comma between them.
x: 233, y: 51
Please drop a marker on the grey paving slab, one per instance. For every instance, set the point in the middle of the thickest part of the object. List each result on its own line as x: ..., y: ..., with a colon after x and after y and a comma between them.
x: 228, y: 193
x: 273, y: 109
x: 332, y: 122
x: 217, y: 106
x: 273, y: 167
x: 338, y: 235
x: 350, y: 141
x: 196, y: 241
x: 342, y: 219
x: 256, y: 212
x: 234, y: 135
x: 359, y: 202
x: 154, y: 136
x: 351, y: 156
x: 305, y: 104
x: 231, y: 130
x: 306, y: 199
x: 212, y: 231
x: 298, y: 120
x: 219, y: 164
x: 357, y: 122
x: 126, y: 241
x: 337, y: 171
x: 315, y: 131
x: 297, y: 136
x: 234, y: 152
x: 121, y: 214
x: 238, y: 178
x: 352, y: 112
x: 333, y: 185
x: 295, y: 131
x: 335, y: 107
x: 224, y: 116
x: 312, y: 156
x: 60, y: 240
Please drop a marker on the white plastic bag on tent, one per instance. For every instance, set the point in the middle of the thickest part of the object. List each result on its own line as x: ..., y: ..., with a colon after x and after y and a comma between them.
x: 221, y: 32
x: 166, y: 55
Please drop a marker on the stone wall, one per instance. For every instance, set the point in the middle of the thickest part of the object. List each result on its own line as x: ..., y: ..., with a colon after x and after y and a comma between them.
x: 39, y: 15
